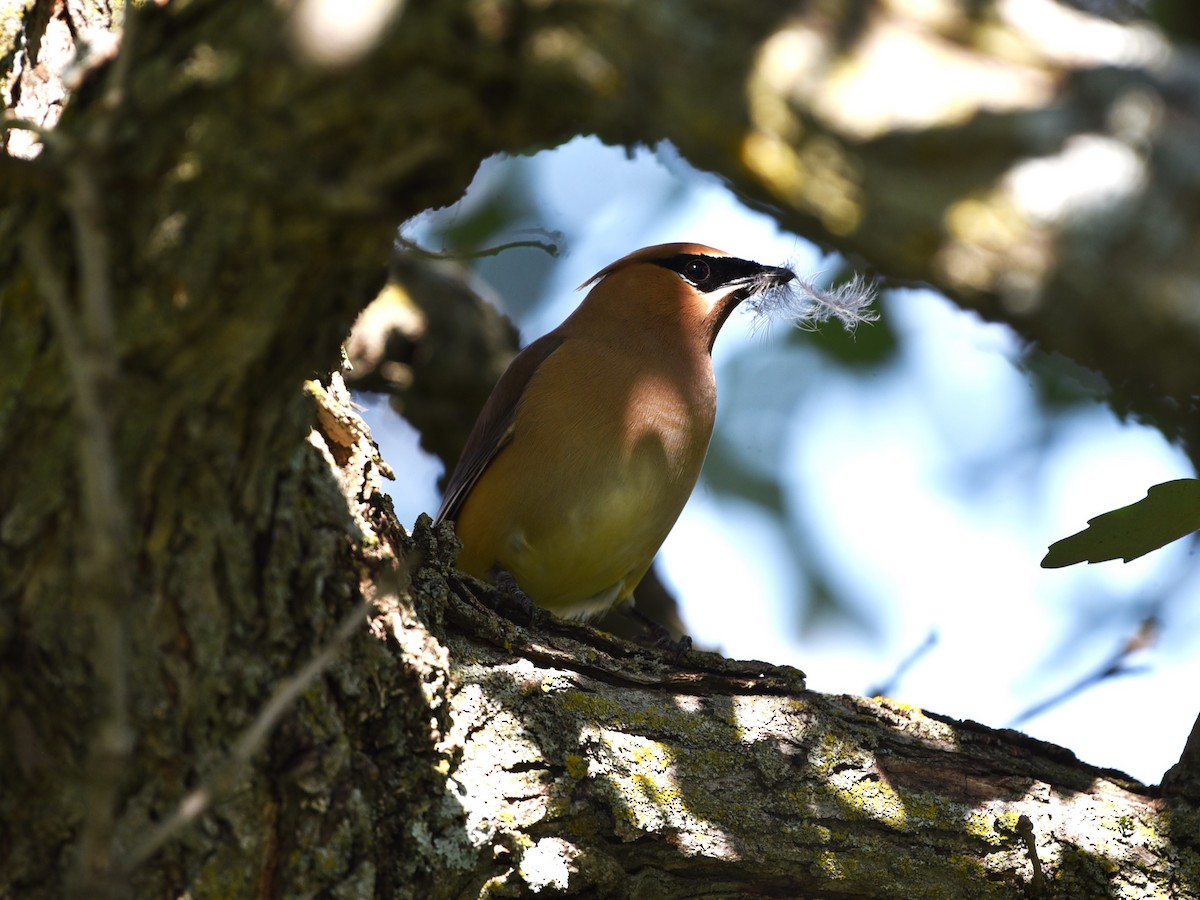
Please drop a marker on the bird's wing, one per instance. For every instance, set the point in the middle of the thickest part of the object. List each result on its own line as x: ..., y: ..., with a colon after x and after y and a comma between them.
x: 494, y: 427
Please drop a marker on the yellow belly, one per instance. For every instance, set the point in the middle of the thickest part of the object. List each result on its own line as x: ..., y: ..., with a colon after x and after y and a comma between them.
x: 577, y: 505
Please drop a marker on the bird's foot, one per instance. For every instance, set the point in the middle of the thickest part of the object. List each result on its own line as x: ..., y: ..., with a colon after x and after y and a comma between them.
x: 500, y: 593
x: 661, y: 637
x: 511, y: 601
x: 677, y: 648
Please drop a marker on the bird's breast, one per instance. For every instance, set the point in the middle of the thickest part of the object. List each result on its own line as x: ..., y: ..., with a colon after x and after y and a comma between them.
x: 599, y: 469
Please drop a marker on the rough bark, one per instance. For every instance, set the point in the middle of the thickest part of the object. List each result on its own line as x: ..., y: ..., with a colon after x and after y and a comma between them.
x: 625, y: 780
x: 182, y: 539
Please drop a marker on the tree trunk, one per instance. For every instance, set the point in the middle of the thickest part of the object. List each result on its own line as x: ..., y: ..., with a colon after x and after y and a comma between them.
x: 228, y: 670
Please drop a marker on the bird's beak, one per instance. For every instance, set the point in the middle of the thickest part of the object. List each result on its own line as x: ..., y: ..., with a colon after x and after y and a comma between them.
x: 759, y: 281
x: 769, y: 277
x: 764, y: 279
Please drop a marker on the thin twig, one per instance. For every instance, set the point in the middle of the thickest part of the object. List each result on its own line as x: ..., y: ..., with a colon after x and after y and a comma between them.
x: 1117, y: 665
x: 887, y: 687
x: 552, y: 246
x: 87, y: 334
x: 106, y: 569
x: 106, y: 515
x: 92, y: 358
x: 225, y: 777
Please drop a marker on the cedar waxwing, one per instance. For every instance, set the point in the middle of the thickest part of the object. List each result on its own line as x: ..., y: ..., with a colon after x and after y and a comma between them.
x: 591, y: 442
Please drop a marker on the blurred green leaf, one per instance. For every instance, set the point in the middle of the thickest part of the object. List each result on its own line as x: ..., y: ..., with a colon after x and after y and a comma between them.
x: 1169, y: 511
x: 726, y: 473
x: 825, y: 606
x: 1060, y: 382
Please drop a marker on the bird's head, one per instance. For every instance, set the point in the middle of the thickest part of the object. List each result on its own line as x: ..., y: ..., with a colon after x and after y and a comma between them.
x: 688, y: 285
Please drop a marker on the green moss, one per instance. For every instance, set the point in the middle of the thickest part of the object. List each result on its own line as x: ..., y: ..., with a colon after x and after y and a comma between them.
x: 829, y: 864
x: 587, y: 705
x: 988, y: 827
x: 874, y: 799
x: 968, y: 867
x: 576, y: 765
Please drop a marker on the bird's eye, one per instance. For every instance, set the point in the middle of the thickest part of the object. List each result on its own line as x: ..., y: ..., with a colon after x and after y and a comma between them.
x: 696, y: 271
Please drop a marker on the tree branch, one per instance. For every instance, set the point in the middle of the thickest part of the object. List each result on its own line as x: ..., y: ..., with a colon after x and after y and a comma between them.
x: 606, y: 757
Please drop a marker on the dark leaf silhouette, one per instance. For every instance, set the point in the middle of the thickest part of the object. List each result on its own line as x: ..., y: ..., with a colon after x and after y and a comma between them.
x: 1169, y: 511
